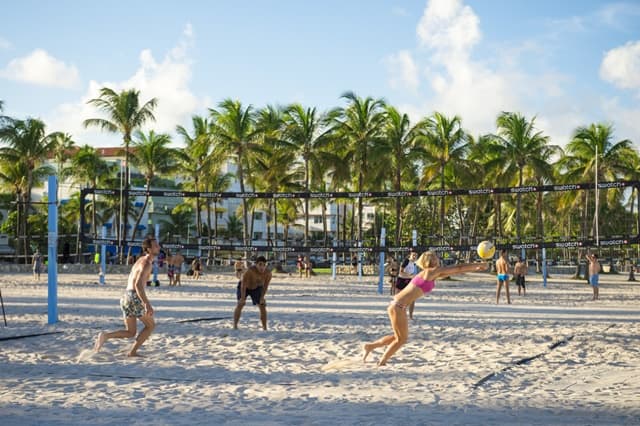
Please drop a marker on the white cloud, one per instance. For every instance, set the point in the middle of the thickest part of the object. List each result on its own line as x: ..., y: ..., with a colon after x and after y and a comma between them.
x: 454, y: 83
x: 403, y: 69
x: 167, y: 80
x: 447, y: 32
x: 448, y: 26
x: 621, y: 66
x: 42, y: 69
x: 625, y: 120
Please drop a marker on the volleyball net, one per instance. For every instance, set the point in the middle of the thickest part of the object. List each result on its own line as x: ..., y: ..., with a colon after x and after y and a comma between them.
x: 375, y: 245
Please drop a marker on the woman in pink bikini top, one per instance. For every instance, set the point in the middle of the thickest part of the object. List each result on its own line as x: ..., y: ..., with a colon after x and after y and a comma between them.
x: 420, y: 285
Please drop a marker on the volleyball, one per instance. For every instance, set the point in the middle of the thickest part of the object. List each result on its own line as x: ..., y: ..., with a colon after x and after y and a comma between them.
x: 486, y: 249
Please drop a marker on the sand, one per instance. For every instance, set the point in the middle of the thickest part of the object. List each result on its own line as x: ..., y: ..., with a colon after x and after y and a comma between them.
x: 552, y: 357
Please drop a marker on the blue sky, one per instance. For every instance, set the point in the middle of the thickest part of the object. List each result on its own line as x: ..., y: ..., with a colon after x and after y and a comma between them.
x: 569, y: 63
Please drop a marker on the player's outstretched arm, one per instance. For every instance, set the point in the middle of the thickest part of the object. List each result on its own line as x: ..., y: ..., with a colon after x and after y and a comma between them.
x: 461, y: 269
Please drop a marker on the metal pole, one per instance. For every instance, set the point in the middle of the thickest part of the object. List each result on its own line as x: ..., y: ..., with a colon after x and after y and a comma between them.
x: 383, y: 234
x: 155, y: 260
x: 103, y: 256
x: 359, y: 257
x: 334, y: 260
x: 52, y: 245
x: 120, y: 224
x: 3, y: 314
x: 597, y: 200
x: 544, y: 267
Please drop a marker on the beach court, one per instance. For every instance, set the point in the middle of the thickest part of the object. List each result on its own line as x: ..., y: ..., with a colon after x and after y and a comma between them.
x: 552, y: 357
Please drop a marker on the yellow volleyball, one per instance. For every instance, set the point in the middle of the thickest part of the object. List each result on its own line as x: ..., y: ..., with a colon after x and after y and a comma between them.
x: 486, y: 249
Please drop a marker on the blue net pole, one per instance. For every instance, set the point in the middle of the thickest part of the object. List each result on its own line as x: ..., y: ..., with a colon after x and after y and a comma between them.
x: 103, y: 256
x: 52, y: 251
x: 383, y: 234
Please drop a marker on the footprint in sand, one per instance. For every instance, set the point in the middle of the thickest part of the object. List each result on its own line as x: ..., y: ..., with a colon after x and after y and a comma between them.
x: 85, y: 355
x: 342, y: 364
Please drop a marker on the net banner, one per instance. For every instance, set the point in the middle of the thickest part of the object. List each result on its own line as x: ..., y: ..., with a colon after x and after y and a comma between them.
x: 365, y: 194
x: 377, y: 249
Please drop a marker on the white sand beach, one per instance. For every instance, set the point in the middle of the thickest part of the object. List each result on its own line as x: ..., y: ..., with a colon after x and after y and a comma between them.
x: 554, y: 357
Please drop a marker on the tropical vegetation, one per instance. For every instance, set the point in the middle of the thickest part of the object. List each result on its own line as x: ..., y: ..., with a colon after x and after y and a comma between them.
x: 365, y: 145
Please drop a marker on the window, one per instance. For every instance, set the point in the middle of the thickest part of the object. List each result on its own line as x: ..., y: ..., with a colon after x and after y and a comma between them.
x: 257, y: 235
x: 257, y: 215
x: 317, y: 219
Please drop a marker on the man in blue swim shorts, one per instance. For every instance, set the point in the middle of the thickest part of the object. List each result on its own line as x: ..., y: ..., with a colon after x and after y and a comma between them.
x: 502, y: 269
x: 594, y: 271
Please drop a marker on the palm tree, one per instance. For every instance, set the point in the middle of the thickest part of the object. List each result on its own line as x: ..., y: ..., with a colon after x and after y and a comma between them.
x: 633, y: 173
x: 88, y: 168
x: 64, y: 146
x: 13, y: 178
x: 28, y: 143
x: 520, y: 147
x: 3, y: 118
x: 194, y: 160
x: 178, y: 223
x: 398, y: 148
x: 444, y: 143
x: 152, y: 157
x: 591, y: 145
x: 360, y: 125
x: 234, y: 226
x: 277, y: 169
x: 215, y: 182
x: 124, y: 115
x: 303, y: 128
x: 233, y: 128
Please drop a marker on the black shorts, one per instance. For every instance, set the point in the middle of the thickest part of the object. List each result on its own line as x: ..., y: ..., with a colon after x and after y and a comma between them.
x: 256, y: 293
x: 520, y: 281
x: 401, y: 283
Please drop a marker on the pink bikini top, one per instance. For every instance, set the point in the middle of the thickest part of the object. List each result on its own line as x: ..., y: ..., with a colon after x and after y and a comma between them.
x: 422, y: 284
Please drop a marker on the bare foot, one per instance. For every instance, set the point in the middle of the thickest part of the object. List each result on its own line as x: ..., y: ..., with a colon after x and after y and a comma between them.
x: 134, y: 355
x: 382, y: 363
x: 100, y: 341
x: 366, y: 351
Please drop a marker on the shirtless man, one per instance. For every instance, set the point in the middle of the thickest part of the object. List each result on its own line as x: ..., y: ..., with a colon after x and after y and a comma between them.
x: 594, y: 274
x: 240, y: 267
x: 520, y: 270
x: 170, y: 268
x: 502, y: 269
x: 255, y: 283
x: 177, y: 260
x: 134, y: 303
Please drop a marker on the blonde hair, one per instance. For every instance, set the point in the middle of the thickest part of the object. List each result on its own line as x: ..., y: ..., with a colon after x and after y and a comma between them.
x: 427, y: 259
